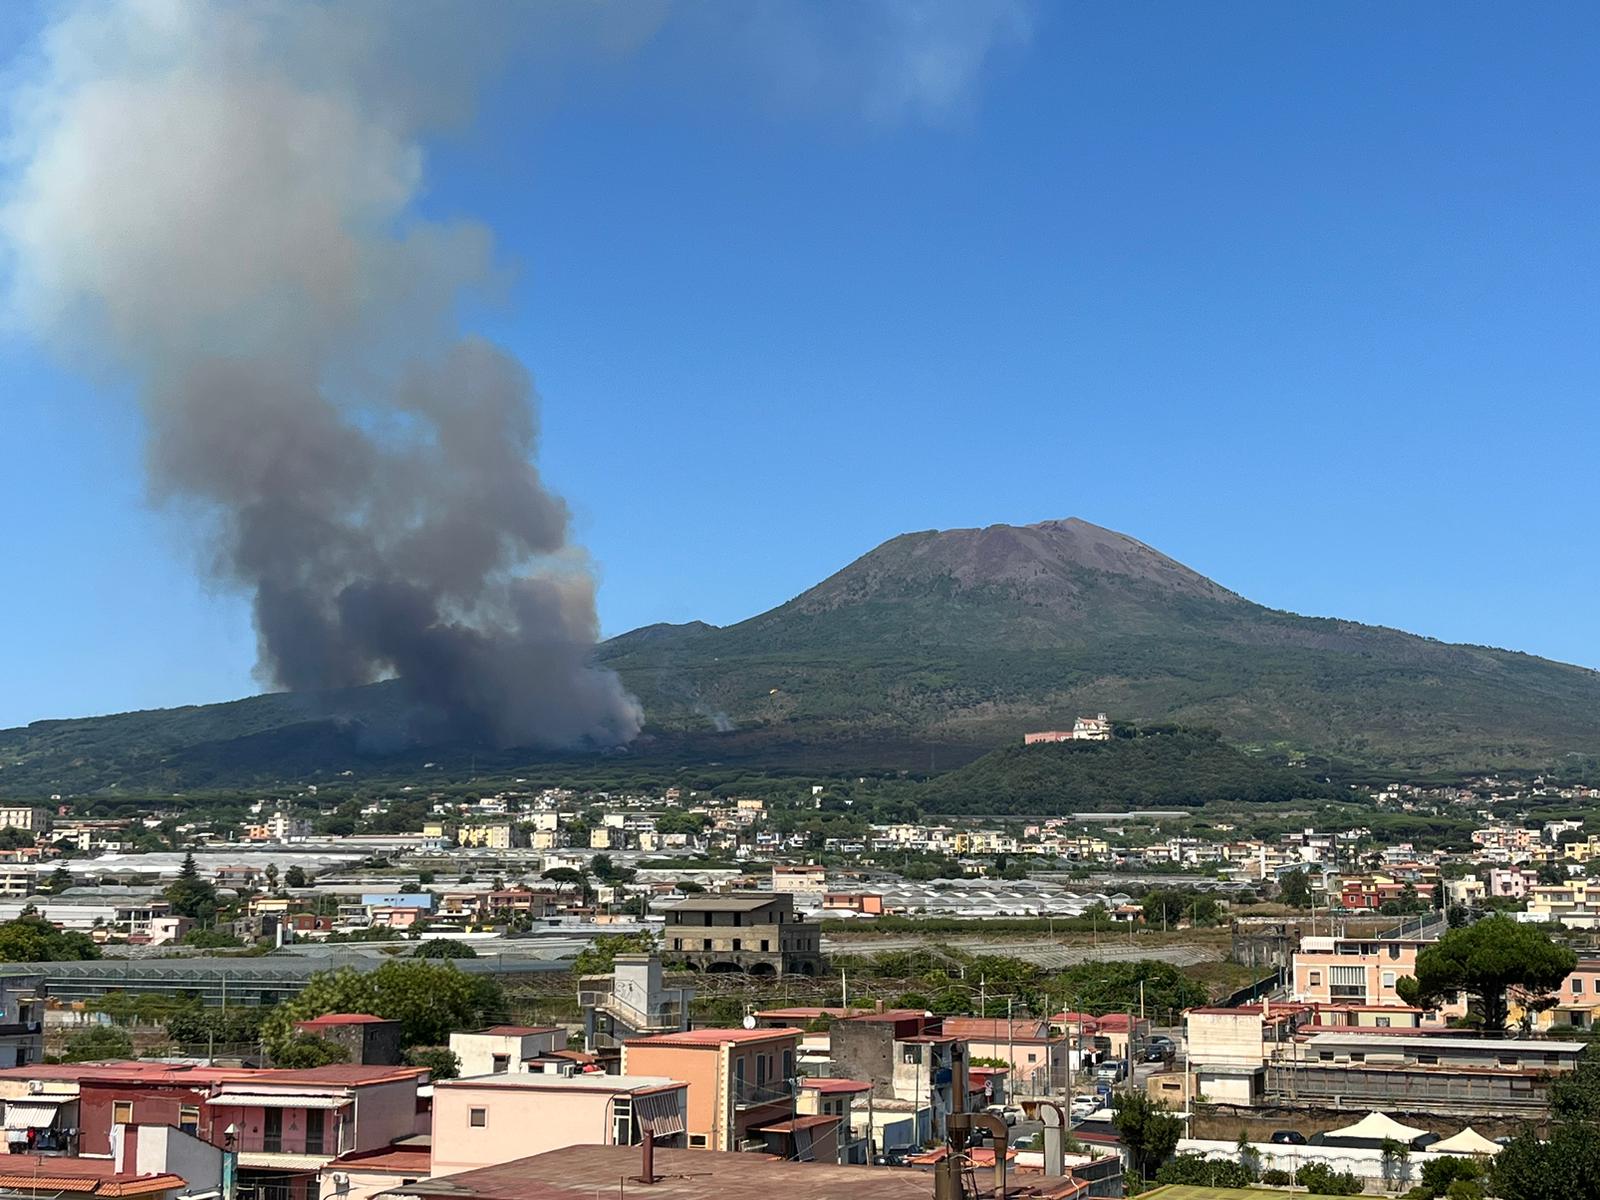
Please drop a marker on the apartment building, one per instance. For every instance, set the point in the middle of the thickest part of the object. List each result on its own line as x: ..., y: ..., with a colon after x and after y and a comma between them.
x: 1575, y: 904
x: 756, y: 932
x: 494, y: 1119
x: 739, y: 1080
x: 24, y: 817
x: 498, y: 836
x: 808, y: 882
x: 1353, y: 970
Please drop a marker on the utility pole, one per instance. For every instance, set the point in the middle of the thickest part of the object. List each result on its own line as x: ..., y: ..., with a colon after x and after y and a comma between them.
x: 1011, y: 1044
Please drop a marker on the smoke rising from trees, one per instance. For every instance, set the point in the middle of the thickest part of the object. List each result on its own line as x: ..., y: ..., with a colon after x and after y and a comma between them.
x: 219, y: 202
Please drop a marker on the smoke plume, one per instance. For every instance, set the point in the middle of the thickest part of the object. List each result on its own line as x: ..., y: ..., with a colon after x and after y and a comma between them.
x: 220, y: 202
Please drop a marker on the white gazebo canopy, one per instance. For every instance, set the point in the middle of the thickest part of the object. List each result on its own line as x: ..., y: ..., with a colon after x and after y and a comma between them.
x: 1377, y: 1126
x: 1468, y: 1141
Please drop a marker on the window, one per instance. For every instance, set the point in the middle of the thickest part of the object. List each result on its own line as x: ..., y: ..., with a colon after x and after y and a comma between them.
x: 502, y: 1063
x: 738, y: 943
x: 1551, y: 1060
x: 1315, y: 979
x: 478, y: 1118
x: 1428, y: 1060
x: 697, y: 1141
x: 315, y: 1119
x: 1388, y: 980
x: 272, y: 1131
x: 1358, y: 1056
x: 1507, y: 1060
x: 1394, y: 950
x: 705, y: 944
x: 189, y: 1118
x: 765, y: 945
x: 1033, y: 1058
x: 1325, y: 1055
x: 1577, y: 987
x: 1382, y: 1022
x: 122, y: 1112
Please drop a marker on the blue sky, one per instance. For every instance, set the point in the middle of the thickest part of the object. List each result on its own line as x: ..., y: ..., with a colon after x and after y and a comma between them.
x: 1302, y: 296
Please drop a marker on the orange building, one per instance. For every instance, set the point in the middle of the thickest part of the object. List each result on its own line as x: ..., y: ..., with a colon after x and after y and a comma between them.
x: 740, y: 1080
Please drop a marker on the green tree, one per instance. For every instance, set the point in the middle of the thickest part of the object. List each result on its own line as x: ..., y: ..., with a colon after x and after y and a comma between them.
x: 303, y: 1051
x: 294, y: 877
x: 1322, y: 1180
x: 1486, y: 959
x: 1168, y: 907
x: 60, y: 880
x: 211, y: 939
x: 272, y: 876
x: 1564, y: 1166
x: 98, y: 1043
x: 30, y: 938
x: 441, y: 1061
x: 1440, y: 1176
x: 1148, y: 1131
x: 601, y: 955
x: 1197, y: 1170
x: 190, y: 895
x: 1294, y: 889
x: 429, y: 999
x: 443, y: 948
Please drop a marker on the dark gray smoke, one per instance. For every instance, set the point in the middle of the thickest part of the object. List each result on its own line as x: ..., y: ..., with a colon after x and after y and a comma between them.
x: 219, y: 200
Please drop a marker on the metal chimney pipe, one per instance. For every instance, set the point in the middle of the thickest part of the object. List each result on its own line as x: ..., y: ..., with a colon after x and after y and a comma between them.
x: 647, y: 1170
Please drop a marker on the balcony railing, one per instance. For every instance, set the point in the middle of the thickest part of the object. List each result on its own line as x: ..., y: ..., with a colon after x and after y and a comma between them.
x: 750, y: 1095
x: 332, y: 1142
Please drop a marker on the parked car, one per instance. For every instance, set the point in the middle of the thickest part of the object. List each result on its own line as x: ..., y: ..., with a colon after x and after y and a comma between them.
x: 1160, y: 1052
x: 1288, y: 1137
x: 1111, y: 1072
x: 1008, y: 1113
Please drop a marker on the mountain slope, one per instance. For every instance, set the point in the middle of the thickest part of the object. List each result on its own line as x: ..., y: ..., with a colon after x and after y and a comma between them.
x: 936, y: 645
x: 971, y: 636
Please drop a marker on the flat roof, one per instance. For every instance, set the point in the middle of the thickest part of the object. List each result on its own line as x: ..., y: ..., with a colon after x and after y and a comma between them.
x: 593, y: 1081
x: 715, y: 1037
x: 1454, y: 1043
x: 579, y: 1172
x: 737, y: 902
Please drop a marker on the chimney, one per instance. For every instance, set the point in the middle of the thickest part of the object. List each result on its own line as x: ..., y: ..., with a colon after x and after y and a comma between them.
x: 647, y: 1166
x: 877, y: 1005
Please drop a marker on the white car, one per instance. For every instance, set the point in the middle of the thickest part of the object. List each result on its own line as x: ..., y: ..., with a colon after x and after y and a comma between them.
x: 1006, y: 1112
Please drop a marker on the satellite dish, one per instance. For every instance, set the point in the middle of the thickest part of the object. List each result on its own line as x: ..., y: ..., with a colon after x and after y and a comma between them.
x: 749, y: 1021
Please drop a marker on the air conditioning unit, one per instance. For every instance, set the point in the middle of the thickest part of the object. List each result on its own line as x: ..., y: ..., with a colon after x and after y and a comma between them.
x: 35, y: 1086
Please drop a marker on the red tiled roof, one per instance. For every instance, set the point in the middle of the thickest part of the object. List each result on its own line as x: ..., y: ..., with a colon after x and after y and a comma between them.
x: 836, y: 1087
x: 402, y: 1160
x: 85, y: 1176
x: 798, y: 1123
x: 517, y: 1030
x: 715, y: 1037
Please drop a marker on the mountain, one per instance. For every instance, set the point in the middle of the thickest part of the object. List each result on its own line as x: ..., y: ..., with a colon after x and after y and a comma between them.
x: 969, y: 637
x: 934, y: 647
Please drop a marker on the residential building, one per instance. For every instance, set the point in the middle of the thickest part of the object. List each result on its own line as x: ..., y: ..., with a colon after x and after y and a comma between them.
x: 739, y: 1080
x: 478, y: 1122
x: 363, y: 1174
x: 22, y: 1004
x: 836, y: 1098
x: 1353, y: 970
x: 1575, y: 904
x: 24, y: 817
x: 805, y: 881
x: 499, y: 836
x: 506, y: 1049
x: 631, y: 1002
x: 755, y: 932
x: 1039, y: 1060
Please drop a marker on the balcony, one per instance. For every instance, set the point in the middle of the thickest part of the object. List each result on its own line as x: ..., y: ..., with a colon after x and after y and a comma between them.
x: 753, y: 1095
